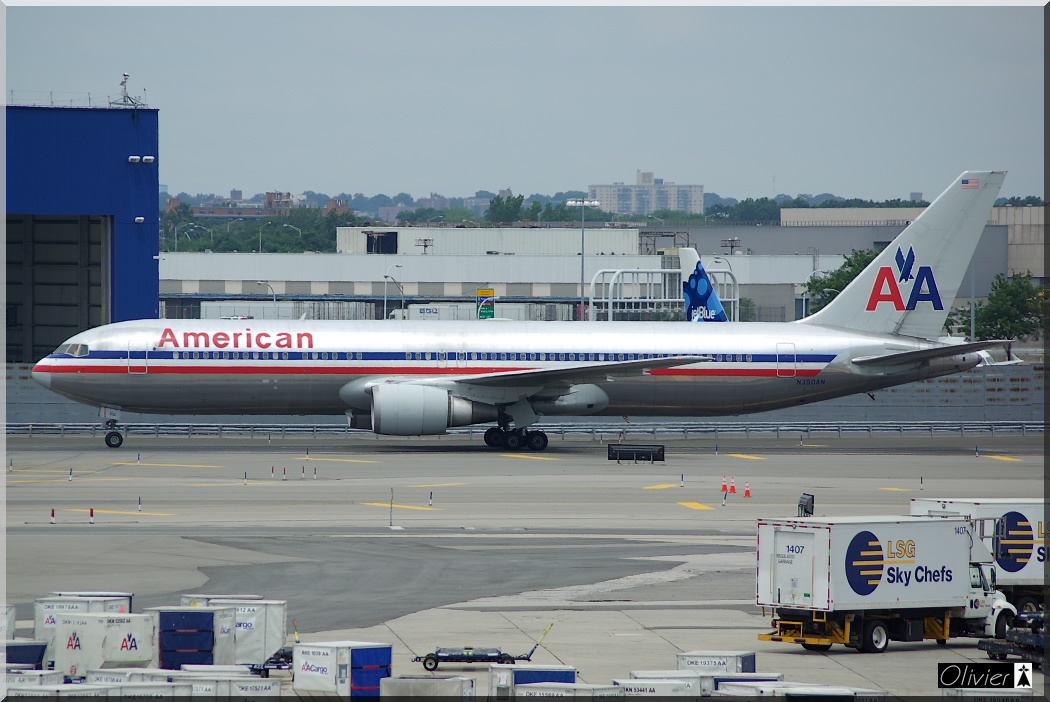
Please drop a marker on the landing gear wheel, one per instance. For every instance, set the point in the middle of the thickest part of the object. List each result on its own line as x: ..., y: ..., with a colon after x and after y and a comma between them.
x: 114, y: 439
x: 513, y: 441
x: 536, y: 440
x: 494, y: 437
x: 430, y: 663
x: 876, y: 637
x: 816, y: 647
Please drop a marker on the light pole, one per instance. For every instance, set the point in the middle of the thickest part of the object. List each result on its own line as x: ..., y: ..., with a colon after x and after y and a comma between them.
x: 239, y: 219
x: 386, y: 276
x: 274, y: 293
x: 184, y: 224
x: 735, y: 303
x: 260, y: 234
x: 210, y: 231
x: 807, y: 301
x: 292, y: 226
x: 400, y: 289
x: 583, y: 205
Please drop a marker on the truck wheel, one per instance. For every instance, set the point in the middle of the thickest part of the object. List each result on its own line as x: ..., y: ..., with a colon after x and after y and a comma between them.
x: 506, y: 659
x: 816, y: 647
x: 1002, y: 623
x: 430, y: 663
x: 876, y: 638
x: 1027, y: 604
x: 942, y: 642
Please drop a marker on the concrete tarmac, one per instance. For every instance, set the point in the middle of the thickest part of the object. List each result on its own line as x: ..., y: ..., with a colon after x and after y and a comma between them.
x: 434, y: 542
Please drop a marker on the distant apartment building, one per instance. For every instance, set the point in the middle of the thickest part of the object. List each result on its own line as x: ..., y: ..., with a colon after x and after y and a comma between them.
x: 275, y: 205
x: 434, y: 202
x: 648, y: 195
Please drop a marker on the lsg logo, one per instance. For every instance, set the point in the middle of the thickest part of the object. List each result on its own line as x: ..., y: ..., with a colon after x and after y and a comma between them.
x: 1009, y: 676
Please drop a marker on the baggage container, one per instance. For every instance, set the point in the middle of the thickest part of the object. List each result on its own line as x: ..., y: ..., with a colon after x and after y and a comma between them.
x: 345, y: 668
x: 658, y: 687
x: 62, y: 691
x: 193, y: 635
x: 8, y: 623
x: 991, y: 694
x: 504, y: 678
x: 200, y: 600
x: 46, y: 609
x: 30, y: 652
x: 417, y: 686
x: 574, y: 690
x: 711, y: 682
x: 717, y: 661
x: 86, y: 641
x: 119, y: 676
x: 217, y: 670
x: 797, y: 689
x: 18, y: 678
x: 690, y: 675
x: 95, y: 593
x: 204, y: 684
x: 157, y: 690
x: 261, y: 628
x: 1012, y: 528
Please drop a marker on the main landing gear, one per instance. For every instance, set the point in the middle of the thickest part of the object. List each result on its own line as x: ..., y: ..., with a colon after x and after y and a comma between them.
x: 515, y: 439
x: 113, y: 437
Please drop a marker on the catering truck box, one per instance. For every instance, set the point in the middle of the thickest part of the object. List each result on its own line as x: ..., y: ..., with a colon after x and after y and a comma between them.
x: 87, y: 641
x: 1012, y: 528
x: 345, y: 668
x: 864, y: 581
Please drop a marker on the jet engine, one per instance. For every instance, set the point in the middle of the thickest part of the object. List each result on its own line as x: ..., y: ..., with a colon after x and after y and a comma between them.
x: 405, y: 409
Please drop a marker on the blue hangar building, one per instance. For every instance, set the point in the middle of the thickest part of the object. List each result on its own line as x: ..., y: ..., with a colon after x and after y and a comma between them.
x: 82, y: 222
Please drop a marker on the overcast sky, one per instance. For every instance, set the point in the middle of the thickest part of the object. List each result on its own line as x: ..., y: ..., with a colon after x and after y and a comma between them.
x: 871, y: 102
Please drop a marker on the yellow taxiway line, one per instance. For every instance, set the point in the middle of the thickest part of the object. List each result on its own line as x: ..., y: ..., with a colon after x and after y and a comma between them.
x: 531, y: 458
x: 116, y: 511
x: 744, y: 455
x: 164, y: 465
x: 387, y: 504
x: 336, y: 460
x: 1005, y: 458
x: 661, y: 487
x: 694, y: 505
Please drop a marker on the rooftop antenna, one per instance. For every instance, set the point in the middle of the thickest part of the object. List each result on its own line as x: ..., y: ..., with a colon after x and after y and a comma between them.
x: 125, y: 99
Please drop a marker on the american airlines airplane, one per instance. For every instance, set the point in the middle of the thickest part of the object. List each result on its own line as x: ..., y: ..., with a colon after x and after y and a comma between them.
x: 410, y: 378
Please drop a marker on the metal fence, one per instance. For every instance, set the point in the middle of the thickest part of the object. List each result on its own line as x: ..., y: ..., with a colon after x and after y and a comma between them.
x: 587, y: 430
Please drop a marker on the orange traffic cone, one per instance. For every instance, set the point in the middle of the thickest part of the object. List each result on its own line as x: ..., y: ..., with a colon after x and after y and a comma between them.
x: 732, y: 486
x: 747, y: 489
x: 725, y: 488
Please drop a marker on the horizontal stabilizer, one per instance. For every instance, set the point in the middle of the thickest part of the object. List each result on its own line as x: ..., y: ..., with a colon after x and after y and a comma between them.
x: 897, y: 359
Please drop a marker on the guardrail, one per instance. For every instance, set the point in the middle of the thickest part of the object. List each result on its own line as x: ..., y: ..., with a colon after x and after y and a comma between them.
x: 593, y: 430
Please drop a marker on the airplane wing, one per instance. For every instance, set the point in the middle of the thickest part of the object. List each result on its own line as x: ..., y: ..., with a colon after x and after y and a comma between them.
x: 591, y: 373
x: 897, y: 359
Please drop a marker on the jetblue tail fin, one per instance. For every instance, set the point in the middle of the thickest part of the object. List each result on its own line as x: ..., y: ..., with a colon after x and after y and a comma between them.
x: 701, y: 300
x: 909, y: 288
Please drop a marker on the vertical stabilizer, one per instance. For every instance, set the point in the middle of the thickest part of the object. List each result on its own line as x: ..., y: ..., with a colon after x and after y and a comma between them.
x: 701, y: 300
x: 910, y: 286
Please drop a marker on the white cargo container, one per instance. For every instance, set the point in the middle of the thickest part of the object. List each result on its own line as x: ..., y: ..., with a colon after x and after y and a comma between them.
x: 574, y: 690
x: 219, y: 685
x: 658, y: 687
x: 157, y: 690
x: 96, y: 593
x: 1012, y: 528
x: 201, y: 600
x: 996, y: 694
x: 712, y: 682
x: 217, y: 670
x: 86, y: 641
x: 864, y: 581
x: 797, y: 689
x: 418, y: 686
x: 46, y: 609
x: 62, y: 691
x: 717, y: 661
x: 19, y: 678
x: 690, y: 675
x: 8, y: 623
x: 262, y: 628
x: 346, y: 668
x: 504, y: 678
x: 119, y: 676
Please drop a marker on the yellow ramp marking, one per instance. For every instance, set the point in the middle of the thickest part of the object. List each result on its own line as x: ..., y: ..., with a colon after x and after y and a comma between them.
x: 438, y: 485
x: 76, y: 478
x: 694, y: 505
x: 63, y: 471
x: 387, y: 504
x: 164, y: 465
x: 336, y: 460
x: 813, y: 445
x: 242, y: 483
x: 117, y: 511
x: 531, y: 458
x: 896, y: 489
x: 661, y: 487
x: 744, y: 455
x: 1004, y: 458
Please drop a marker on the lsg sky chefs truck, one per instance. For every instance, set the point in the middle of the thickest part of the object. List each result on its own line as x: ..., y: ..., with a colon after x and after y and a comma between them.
x: 865, y: 581
x: 1013, y: 530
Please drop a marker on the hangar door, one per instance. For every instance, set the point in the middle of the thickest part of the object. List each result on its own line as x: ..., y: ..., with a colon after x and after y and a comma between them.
x: 56, y: 283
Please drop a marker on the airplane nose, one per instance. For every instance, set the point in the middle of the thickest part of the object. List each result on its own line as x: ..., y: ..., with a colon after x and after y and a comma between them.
x: 42, y: 376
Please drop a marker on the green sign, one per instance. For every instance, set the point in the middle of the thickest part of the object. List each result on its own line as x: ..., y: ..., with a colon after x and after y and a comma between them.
x: 486, y: 303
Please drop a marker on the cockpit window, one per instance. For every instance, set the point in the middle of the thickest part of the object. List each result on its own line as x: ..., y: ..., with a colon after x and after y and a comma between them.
x: 64, y: 348
x: 78, y: 350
